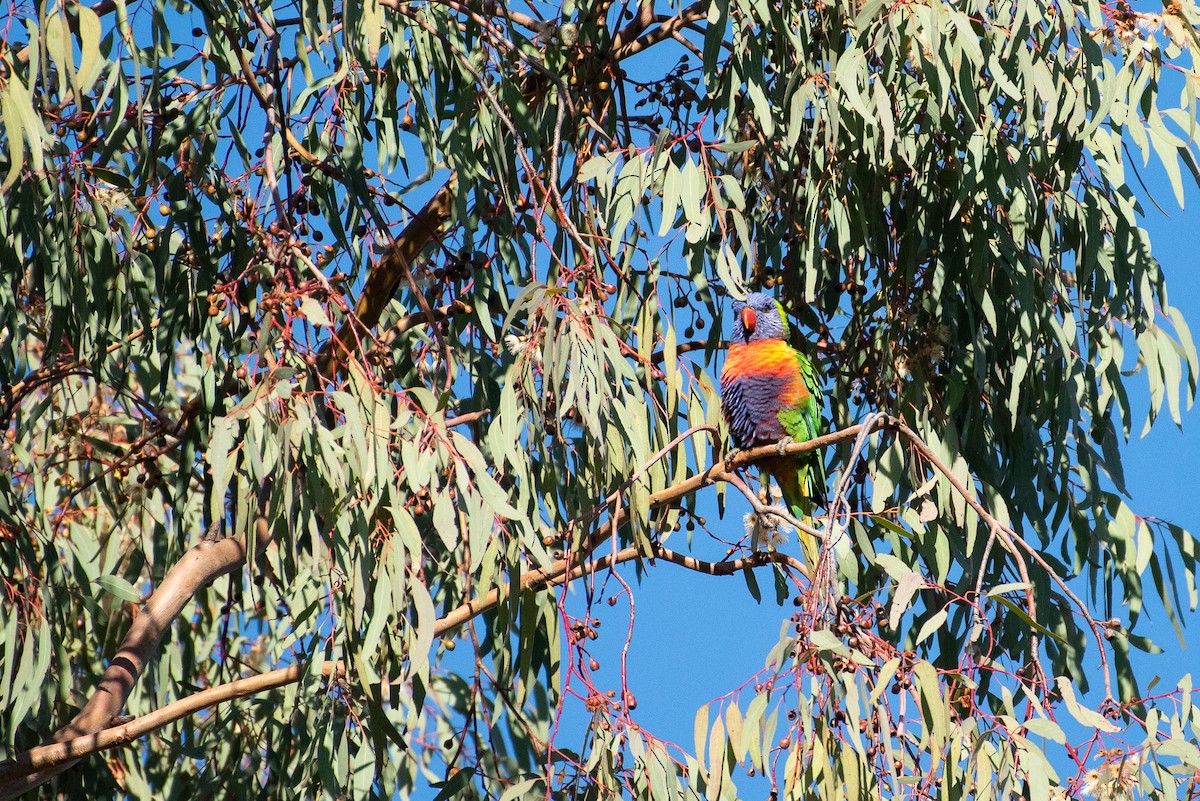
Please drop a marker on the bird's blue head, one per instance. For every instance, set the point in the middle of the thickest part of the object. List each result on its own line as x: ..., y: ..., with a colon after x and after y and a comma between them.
x: 756, y: 318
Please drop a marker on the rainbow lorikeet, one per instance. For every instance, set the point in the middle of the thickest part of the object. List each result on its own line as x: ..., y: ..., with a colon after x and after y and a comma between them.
x: 770, y: 393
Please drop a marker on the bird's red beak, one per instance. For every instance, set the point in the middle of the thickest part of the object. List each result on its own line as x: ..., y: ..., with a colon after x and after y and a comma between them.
x: 749, y: 319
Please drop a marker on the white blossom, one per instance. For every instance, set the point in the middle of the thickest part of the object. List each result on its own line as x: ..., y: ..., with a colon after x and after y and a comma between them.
x: 767, y: 528
x: 1116, y: 777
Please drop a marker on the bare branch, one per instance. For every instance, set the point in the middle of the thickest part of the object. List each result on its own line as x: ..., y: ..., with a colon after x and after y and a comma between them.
x: 687, y: 347
x: 411, y: 321
x: 200, y: 566
x: 87, y: 735
x: 382, y: 281
x: 637, y: 26
x: 48, y: 758
x: 693, y: 13
x: 468, y: 418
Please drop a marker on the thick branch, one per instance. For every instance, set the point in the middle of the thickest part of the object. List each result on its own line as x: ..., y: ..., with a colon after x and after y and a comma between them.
x: 381, y: 283
x: 641, y: 21
x: 199, y: 567
x: 209, y: 560
x: 47, y: 757
x: 52, y: 759
x: 693, y: 13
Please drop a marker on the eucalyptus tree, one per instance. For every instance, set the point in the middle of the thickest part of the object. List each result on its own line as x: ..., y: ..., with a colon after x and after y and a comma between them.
x: 339, y: 341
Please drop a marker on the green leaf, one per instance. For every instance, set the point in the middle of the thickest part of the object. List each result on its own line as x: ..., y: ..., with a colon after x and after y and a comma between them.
x: 454, y: 786
x: 700, y: 730
x: 1083, y: 716
x: 91, y: 60
x: 312, y: 311
x: 906, y: 589
x: 445, y: 520
x: 120, y: 588
x: 1044, y: 727
x: 221, y: 465
x: 931, y: 625
x: 1027, y: 620
x: 716, y: 760
x: 825, y: 640
x: 733, y: 726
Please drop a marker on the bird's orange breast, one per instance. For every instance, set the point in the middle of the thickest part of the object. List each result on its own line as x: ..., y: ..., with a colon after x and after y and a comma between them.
x: 770, y: 358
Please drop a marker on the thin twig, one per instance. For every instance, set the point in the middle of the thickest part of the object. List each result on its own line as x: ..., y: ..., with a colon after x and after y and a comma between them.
x: 468, y: 418
x: 1011, y: 540
x: 411, y: 321
x: 823, y: 578
x: 977, y: 629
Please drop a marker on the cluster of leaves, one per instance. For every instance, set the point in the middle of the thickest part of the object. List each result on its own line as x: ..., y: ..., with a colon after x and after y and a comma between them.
x: 403, y: 283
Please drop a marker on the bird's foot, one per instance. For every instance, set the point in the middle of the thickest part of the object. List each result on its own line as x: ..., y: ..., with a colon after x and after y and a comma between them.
x: 782, y: 445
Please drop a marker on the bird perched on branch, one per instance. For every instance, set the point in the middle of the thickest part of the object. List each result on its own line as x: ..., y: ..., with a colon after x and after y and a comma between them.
x: 770, y: 394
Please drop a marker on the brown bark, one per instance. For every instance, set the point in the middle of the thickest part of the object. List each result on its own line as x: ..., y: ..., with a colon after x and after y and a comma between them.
x: 384, y: 277
x: 199, y: 567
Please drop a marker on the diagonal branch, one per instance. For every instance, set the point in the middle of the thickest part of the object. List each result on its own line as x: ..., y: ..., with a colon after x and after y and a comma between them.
x: 1011, y: 541
x: 693, y: 13
x: 60, y: 755
x: 199, y: 567
x: 385, y: 276
x: 209, y: 560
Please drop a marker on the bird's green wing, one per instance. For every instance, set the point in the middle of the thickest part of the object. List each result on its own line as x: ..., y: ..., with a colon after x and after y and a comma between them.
x: 802, y: 479
x: 802, y: 423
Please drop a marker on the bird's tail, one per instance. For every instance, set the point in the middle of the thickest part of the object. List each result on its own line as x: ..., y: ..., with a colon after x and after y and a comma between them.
x: 803, y: 487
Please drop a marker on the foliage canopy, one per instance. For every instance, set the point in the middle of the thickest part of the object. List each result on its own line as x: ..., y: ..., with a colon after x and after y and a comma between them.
x: 349, y: 333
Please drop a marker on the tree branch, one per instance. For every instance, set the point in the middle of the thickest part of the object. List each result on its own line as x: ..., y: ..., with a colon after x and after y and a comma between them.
x: 60, y: 755
x: 467, y: 418
x: 687, y: 347
x: 1011, y: 540
x: 693, y: 13
x: 411, y: 321
x: 382, y: 281
x: 636, y: 27
x: 208, y: 560
x: 199, y: 567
